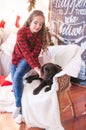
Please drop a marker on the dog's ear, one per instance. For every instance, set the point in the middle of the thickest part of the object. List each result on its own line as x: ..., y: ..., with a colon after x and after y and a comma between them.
x: 42, y: 70
x: 58, y: 68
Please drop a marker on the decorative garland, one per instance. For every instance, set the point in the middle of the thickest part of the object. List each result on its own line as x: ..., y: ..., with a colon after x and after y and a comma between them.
x: 31, y: 4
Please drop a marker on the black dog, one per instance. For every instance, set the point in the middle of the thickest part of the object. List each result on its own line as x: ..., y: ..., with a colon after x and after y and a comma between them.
x: 48, y: 70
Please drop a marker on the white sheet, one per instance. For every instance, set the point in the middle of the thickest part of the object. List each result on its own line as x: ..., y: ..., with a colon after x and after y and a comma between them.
x: 41, y: 110
x: 7, y: 100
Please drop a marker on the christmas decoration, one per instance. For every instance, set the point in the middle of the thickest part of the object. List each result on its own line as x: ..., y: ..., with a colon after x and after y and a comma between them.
x: 31, y: 4
x: 2, y: 23
x: 17, y: 21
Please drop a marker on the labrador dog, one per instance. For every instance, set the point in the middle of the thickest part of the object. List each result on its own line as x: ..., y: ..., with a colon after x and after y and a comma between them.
x: 48, y: 71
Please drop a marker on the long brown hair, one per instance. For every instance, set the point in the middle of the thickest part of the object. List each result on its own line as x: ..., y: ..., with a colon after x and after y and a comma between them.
x: 43, y: 29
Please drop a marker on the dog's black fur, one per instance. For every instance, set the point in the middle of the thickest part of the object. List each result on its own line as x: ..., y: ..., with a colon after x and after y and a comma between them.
x: 48, y: 70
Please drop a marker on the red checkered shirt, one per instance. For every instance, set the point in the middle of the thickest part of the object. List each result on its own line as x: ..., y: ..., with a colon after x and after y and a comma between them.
x: 28, y: 45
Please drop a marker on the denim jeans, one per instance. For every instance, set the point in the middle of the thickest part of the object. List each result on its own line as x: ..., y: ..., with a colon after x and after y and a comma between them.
x: 18, y: 73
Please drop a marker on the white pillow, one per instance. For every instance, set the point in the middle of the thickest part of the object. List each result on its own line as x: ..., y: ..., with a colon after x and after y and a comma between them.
x: 1, y: 35
x: 8, y: 45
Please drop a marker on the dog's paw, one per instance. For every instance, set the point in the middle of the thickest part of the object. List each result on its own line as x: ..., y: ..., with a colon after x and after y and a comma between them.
x: 29, y: 80
x: 36, y: 91
x: 47, y: 89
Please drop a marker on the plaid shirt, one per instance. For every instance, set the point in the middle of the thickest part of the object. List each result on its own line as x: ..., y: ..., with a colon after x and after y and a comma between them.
x: 28, y: 45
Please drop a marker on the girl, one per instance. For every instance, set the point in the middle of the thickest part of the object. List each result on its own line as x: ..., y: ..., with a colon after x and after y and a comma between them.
x: 30, y: 40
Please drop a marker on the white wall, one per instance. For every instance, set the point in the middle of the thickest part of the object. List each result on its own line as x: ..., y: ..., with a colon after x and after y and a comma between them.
x: 9, y: 9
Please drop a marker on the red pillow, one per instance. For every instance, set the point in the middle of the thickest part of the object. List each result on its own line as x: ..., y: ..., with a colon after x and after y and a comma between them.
x: 4, y: 82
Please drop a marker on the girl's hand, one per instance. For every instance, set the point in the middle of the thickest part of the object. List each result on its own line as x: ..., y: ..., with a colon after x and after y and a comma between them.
x: 37, y: 69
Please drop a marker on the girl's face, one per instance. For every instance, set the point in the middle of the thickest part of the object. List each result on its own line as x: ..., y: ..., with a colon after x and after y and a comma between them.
x: 36, y: 24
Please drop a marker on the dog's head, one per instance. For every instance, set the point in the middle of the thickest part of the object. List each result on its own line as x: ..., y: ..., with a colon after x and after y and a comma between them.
x: 48, y: 70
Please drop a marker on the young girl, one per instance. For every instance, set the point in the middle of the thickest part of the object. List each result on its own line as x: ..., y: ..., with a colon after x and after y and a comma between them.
x: 30, y: 40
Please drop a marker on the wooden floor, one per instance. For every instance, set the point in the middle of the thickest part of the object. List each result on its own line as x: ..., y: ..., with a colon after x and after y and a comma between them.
x: 68, y: 121
x: 79, y: 99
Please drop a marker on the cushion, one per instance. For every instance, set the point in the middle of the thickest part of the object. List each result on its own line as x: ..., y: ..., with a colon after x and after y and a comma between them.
x: 8, y: 45
x: 4, y: 82
x: 1, y: 35
x: 5, y: 63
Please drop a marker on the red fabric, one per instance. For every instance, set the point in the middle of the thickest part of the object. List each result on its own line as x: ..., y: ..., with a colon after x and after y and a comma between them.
x: 17, y: 21
x: 28, y: 46
x: 2, y: 24
x: 4, y: 82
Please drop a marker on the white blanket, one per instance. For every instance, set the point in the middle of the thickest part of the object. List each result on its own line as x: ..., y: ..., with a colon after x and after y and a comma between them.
x: 67, y: 56
x: 41, y: 110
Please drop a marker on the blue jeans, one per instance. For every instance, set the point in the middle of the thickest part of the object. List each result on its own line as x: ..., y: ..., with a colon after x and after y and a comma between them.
x: 18, y: 73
